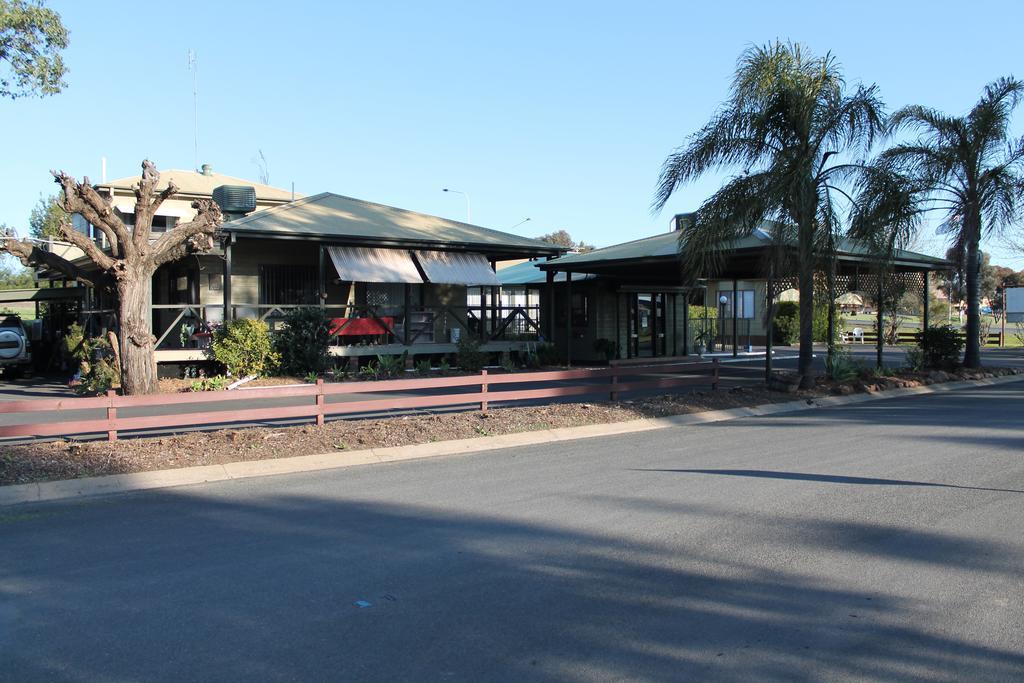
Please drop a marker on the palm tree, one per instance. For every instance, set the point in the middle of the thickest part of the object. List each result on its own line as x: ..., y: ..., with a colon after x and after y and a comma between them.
x: 794, y: 132
x: 969, y: 168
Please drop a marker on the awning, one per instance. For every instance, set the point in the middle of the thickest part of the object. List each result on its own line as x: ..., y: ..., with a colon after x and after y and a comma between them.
x: 457, y: 268
x: 361, y: 264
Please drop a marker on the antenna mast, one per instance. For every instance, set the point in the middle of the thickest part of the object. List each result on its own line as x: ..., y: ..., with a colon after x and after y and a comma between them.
x: 193, y: 66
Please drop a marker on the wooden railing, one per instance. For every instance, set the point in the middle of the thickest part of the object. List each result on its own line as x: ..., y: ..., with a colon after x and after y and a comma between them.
x: 474, y: 390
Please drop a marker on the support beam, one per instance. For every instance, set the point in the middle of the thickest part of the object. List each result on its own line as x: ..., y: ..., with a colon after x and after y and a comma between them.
x: 686, y: 323
x: 568, y: 318
x: 549, y: 324
x: 735, y: 318
x: 322, y: 276
x: 880, y: 321
x: 406, y: 311
x: 769, y: 323
x: 226, y: 289
x: 924, y: 300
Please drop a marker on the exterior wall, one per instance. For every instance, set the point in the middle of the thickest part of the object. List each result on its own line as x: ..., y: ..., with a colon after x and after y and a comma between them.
x: 755, y: 325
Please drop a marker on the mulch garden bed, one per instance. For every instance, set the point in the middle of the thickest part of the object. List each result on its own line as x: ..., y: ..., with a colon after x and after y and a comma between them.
x: 69, y: 459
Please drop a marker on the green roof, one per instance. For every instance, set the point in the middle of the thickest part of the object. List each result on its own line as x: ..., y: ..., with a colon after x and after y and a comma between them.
x: 665, y: 247
x: 332, y: 217
x: 528, y: 273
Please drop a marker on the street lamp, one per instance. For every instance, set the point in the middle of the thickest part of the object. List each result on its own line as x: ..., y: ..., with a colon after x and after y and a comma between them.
x: 722, y: 301
x: 525, y: 220
x: 469, y: 213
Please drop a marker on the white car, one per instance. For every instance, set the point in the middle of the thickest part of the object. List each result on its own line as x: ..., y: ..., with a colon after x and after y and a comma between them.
x: 15, y: 347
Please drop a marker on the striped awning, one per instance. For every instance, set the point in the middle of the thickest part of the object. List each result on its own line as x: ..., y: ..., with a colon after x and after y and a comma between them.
x: 457, y: 268
x: 361, y: 264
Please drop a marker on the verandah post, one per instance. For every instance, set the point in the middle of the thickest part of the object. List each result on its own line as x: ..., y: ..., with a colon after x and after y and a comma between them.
x: 111, y: 416
x: 483, y: 391
x: 714, y: 373
x: 319, y: 402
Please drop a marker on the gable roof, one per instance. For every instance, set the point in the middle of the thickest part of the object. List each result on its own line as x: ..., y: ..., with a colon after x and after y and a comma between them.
x: 665, y: 247
x: 528, y: 273
x: 196, y: 183
x: 340, y: 219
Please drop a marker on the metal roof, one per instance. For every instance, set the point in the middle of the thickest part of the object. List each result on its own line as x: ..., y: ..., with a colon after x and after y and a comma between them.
x: 665, y: 247
x: 193, y: 182
x: 528, y: 273
x: 456, y: 268
x: 333, y: 217
x: 358, y: 264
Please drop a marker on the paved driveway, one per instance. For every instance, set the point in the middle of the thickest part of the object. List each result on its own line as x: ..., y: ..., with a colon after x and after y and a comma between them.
x: 880, y: 541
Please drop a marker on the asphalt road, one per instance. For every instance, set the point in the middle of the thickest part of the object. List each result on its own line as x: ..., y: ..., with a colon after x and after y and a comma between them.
x: 879, y: 541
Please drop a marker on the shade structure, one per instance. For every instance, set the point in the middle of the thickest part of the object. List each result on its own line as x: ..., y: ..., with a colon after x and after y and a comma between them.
x: 457, y: 268
x: 362, y: 264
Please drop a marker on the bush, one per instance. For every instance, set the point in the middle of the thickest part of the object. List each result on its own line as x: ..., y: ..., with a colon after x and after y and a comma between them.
x: 941, y: 347
x: 842, y: 367
x: 469, y: 356
x: 547, y: 354
x: 915, y: 358
x: 819, y: 323
x: 698, y: 312
x: 244, y: 348
x: 97, y: 365
x: 786, y: 327
x: 215, y: 383
x: 302, y: 341
x: 607, y: 348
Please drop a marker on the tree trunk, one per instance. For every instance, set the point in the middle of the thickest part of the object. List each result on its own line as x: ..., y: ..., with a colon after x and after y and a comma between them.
x: 805, y: 366
x: 972, y: 354
x: 138, y: 358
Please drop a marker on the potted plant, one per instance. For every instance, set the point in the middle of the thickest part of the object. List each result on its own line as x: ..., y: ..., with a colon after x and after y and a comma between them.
x: 700, y: 341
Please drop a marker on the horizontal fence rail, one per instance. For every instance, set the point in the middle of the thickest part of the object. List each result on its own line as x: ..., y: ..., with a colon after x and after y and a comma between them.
x: 480, y: 391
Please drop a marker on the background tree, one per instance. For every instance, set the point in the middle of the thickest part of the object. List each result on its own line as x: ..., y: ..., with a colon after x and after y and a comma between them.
x: 127, y: 265
x: 47, y: 217
x: 970, y: 169
x: 564, y: 239
x: 31, y: 38
x: 787, y: 125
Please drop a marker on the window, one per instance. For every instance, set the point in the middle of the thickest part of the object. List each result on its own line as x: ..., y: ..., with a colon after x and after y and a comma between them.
x: 160, y: 223
x: 745, y: 297
x: 287, y: 285
x: 580, y: 310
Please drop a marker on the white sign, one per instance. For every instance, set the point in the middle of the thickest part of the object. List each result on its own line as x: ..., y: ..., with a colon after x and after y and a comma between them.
x: 1015, y: 304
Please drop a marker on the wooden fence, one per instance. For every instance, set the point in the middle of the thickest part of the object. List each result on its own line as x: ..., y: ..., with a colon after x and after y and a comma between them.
x: 317, y: 408
x: 870, y: 337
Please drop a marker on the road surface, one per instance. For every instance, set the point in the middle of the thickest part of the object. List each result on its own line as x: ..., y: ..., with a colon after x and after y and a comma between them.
x: 880, y: 541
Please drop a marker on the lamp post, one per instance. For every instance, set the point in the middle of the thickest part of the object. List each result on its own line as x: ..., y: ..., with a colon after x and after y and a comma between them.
x: 525, y: 220
x: 722, y: 301
x: 469, y: 212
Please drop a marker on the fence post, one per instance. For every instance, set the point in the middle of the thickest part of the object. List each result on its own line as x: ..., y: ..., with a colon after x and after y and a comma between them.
x: 714, y: 374
x: 320, y: 402
x: 483, y: 392
x: 614, y: 395
x: 111, y: 416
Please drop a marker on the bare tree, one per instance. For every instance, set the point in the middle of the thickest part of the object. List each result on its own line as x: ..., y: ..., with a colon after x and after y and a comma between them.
x: 127, y: 265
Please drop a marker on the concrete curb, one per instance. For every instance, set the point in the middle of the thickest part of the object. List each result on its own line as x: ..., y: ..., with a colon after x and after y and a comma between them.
x: 48, y: 491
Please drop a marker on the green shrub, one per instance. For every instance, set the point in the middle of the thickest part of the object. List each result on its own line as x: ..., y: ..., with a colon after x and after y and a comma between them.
x: 469, y: 356
x: 244, y: 348
x: 507, y: 364
x: 819, y: 323
x: 841, y: 366
x: 302, y: 341
x: 697, y: 312
x: 74, y: 343
x: 606, y: 347
x: 547, y: 354
x: 915, y: 358
x: 941, y: 347
x: 215, y: 383
x: 98, y: 366
x: 786, y: 326
x: 423, y: 367
x: 391, y: 366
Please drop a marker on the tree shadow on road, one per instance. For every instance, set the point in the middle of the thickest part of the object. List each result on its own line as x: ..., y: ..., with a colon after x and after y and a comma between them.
x: 185, y: 585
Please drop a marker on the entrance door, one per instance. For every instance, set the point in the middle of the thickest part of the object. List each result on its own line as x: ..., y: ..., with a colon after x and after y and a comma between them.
x: 648, y: 325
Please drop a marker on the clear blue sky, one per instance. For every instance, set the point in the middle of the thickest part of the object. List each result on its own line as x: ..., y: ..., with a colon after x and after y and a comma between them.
x: 561, y: 112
